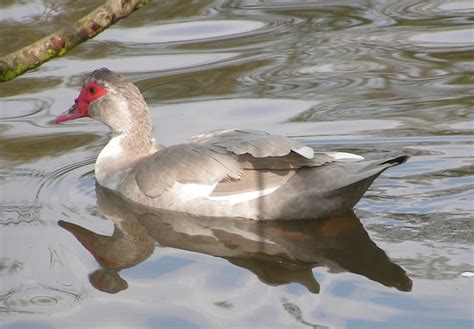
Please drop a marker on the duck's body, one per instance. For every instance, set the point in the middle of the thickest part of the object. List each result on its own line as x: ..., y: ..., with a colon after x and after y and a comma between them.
x: 226, y: 173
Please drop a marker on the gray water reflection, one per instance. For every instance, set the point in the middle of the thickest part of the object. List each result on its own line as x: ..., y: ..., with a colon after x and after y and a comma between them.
x: 277, y: 252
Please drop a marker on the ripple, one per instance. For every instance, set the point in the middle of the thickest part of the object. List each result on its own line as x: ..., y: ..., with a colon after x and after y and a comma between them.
x: 24, y: 12
x: 147, y: 64
x: 297, y: 81
x: 20, y: 213
x: 443, y: 38
x: 28, y: 84
x: 9, y: 266
x: 58, y: 189
x: 457, y: 6
x: 344, y: 66
x: 426, y: 9
x: 20, y: 108
x: 68, y: 191
x: 24, y: 149
x: 70, y: 188
x: 411, y: 40
x: 437, y: 180
x: 40, y: 299
x: 303, y: 6
x: 183, y: 31
x: 385, y: 106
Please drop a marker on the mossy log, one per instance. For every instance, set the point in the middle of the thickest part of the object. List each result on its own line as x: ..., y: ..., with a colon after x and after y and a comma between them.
x: 58, y: 43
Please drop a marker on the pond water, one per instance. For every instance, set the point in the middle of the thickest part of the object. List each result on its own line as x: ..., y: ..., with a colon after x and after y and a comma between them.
x: 375, y: 78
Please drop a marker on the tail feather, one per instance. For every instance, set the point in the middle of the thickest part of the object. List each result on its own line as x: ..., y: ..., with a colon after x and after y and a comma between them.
x: 354, y: 172
x: 351, y: 190
x: 396, y: 161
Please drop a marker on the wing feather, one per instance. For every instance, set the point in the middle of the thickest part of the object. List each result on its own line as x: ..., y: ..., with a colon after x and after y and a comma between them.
x: 184, y: 163
x: 253, y: 180
x: 222, y: 157
x: 259, y: 144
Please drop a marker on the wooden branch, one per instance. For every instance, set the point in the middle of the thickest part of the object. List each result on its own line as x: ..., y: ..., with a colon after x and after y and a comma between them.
x: 58, y: 43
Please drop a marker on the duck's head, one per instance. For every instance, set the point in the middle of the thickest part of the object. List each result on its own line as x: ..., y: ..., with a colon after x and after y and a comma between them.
x: 110, y: 98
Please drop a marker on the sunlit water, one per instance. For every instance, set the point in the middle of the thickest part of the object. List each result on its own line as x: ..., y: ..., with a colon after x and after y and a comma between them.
x: 375, y: 78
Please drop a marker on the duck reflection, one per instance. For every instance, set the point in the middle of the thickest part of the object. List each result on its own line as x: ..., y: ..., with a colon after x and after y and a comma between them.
x: 277, y: 252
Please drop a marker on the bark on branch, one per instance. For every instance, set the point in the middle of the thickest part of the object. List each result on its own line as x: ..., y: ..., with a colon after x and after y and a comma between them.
x: 58, y: 43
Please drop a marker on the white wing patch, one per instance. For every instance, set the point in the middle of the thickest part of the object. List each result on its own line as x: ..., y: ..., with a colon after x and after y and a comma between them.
x: 243, y: 197
x: 305, y: 151
x: 191, y: 190
x: 344, y: 156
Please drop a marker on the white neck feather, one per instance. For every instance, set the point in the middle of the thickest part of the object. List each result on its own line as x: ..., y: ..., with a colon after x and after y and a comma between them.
x: 106, y: 169
x: 117, y: 158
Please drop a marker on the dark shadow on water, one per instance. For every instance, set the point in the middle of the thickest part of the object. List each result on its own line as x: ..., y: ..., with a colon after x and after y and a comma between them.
x: 277, y: 252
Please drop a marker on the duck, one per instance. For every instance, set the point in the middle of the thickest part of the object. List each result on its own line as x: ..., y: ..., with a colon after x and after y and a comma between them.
x: 235, y: 173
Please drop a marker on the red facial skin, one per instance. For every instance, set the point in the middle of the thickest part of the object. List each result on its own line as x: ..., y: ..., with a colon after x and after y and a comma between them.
x: 91, y: 92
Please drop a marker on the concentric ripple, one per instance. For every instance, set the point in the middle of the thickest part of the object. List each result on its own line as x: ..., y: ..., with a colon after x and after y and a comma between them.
x: 39, y: 299
x: 58, y: 186
x: 14, y: 109
x: 70, y: 189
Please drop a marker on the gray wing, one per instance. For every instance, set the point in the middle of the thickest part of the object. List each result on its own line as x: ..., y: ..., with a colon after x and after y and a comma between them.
x: 258, y: 144
x: 185, y: 163
x: 232, y: 158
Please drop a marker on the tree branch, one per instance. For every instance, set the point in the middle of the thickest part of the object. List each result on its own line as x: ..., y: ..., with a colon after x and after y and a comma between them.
x: 58, y: 43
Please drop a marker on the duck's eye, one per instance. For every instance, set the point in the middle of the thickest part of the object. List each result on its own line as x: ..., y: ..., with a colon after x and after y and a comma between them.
x: 92, y: 90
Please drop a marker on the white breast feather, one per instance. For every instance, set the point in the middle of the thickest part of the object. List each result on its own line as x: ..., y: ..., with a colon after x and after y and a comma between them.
x: 113, y: 148
x: 111, y: 151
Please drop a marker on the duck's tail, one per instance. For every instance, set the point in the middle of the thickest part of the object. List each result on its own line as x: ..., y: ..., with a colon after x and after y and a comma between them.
x: 396, y: 161
x: 358, y: 178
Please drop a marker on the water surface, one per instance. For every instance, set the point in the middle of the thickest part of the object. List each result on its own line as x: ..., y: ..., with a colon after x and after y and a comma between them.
x: 377, y: 78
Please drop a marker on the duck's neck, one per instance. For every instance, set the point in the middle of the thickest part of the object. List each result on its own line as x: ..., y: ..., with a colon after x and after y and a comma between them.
x: 121, y: 153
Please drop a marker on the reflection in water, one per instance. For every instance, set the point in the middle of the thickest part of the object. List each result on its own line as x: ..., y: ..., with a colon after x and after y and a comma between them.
x: 20, y: 150
x: 278, y: 252
x: 296, y: 312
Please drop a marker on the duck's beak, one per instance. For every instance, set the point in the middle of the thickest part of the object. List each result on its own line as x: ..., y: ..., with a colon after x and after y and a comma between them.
x: 76, y: 111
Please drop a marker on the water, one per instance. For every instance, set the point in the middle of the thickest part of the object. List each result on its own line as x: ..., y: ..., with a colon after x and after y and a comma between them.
x: 375, y: 78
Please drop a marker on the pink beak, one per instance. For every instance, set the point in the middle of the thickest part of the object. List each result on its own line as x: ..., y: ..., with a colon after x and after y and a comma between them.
x: 78, y: 110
